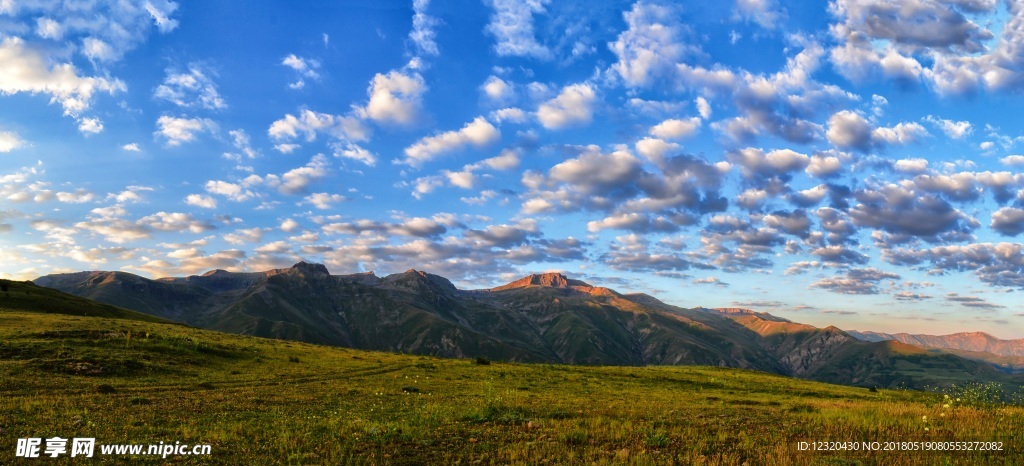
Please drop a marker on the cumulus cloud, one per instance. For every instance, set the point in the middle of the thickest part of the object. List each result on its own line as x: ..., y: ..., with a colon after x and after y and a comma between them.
x: 90, y: 126
x: 191, y: 88
x: 323, y: 200
x: 497, y: 90
x: 416, y: 227
x: 573, y: 106
x: 179, y: 130
x: 953, y: 129
x: 298, y: 180
x: 395, y: 98
x: 850, y: 130
x: 1013, y: 160
x: 200, y: 200
x: 28, y: 70
x: 903, y: 211
x: 676, y: 128
x: 997, y: 264
x: 354, y: 152
x: 477, y: 133
x: 1008, y: 221
x: 309, y: 124
x: 513, y: 30
x: 651, y: 46
x: 756, y: 163
x: 936, y: 42
x: 10, y: 141
x: 510, y: 114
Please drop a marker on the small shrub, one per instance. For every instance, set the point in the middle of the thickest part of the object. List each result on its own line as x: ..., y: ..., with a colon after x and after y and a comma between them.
x: 106, y: 388
x: 293, y: 359
x: 410, y: 390
x: 480, y: 360
x: 140, y: 401
x: 206, y: 385
x: 657, y: 439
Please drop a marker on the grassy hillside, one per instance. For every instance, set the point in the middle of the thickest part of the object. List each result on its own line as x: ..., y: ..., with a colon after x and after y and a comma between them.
x: 262, y: 401
x: 26, y: 296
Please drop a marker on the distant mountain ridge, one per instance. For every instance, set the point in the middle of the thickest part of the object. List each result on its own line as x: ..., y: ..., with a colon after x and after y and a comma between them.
x: 539, y: 318
x: 963, y: 341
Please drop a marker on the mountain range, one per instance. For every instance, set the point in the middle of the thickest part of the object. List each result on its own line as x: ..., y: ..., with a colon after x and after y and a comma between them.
x: 540, y: 318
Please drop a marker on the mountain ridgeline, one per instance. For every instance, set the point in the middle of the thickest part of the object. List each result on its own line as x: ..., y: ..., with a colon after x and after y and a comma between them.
x: 539, y: 318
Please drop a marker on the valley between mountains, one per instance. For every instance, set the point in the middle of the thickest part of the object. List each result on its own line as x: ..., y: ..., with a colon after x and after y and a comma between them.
x: 545, y: 318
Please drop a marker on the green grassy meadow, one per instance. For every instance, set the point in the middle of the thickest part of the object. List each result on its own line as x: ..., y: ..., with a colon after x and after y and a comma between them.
x: 259, y: 401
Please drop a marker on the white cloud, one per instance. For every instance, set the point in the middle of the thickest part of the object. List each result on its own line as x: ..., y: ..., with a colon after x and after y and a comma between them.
x: 824, y: 165
x: 766, y: 13
x: 289, y: 225
x: 200, y: 200
x: 90, y: 125
x: 323, y: 200
x: 512, y: 114
x: 240, y: 139
x: 232, y: 191
x: 703, y: 107
x: 192, y: 88
x: 497, y: 90
x: 26, y: 70
x: 901, y: 134
x: 422, y: 33
x: 174, y: 221
x: 161, y: 11
x: 297, y: 180
x: 512, y: 27
x: 506, y: 160
x: 303, y: 67
x: 757, y: 163
x: 245, y: 235
x: 936, y: 42
x: 286, y: 148
x: 131, y: 147
x: 953, y: 129
x: 1010, y: 160
x: 10, y: 141
x: 911, y: 165
x: 310, y: 123
x: 177, y: 131
x: 355, y: 152
x: 573, y: 106
x: 478, y: 132
x: 676, y: 128
x: 101, y: 31
x: 395, y: 98
x: 650, y: 47
x: 47, y: 28
x: 850, y: 130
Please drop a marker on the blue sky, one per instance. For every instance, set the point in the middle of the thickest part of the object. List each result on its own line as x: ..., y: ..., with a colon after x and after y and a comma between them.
x: 853, y: 164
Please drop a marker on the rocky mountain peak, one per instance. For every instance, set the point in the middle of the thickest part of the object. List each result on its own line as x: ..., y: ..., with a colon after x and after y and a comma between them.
x: 308, y: 269
x: 553, y: 280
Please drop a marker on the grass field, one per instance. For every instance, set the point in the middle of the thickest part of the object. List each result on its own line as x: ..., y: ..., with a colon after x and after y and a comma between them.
x: 261, y: 401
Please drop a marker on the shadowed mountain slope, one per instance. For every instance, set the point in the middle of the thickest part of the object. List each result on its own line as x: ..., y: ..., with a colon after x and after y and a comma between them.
x: 539, y: 318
